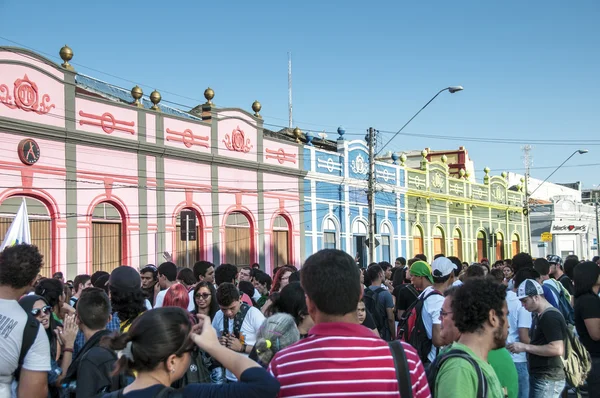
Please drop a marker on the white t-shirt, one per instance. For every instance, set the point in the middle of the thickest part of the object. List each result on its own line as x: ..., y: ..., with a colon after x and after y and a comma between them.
x: 12, y: 323
x: 518, y: 317
x: 431, y: 315
x: 252, y: 322
x: 191, y: 305
x: 457, y: 282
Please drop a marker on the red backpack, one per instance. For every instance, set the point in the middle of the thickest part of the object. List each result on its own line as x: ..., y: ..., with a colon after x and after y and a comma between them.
x: 411, y: 328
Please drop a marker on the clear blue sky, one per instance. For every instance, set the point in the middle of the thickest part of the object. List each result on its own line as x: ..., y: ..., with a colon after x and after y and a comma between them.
x: 530, y: 68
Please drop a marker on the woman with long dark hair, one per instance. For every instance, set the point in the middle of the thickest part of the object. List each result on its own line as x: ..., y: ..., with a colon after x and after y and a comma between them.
x: 158, y: 345
x: 292, y: 300
x: 205, y: 300
x: 61, y: 338
x: 586, y: 278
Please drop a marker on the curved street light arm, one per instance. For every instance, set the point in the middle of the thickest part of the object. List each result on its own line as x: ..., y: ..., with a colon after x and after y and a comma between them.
x: 551, y: 174
x: 410, y: 120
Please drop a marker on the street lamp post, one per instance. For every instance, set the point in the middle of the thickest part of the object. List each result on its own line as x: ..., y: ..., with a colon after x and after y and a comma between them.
x: 529, y: 195
x: 371, y: 182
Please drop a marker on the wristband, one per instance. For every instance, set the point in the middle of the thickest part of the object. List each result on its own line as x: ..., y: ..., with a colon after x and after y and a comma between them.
x: 68, y: 350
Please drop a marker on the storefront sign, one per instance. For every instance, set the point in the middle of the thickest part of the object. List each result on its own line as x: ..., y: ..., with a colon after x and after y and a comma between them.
x: 565, y: 227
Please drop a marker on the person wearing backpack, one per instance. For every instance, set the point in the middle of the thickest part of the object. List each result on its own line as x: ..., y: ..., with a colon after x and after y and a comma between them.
x: 548, y: 334
x: 236, y: 323
x: 475, y: 324
x: 90, y: 372
x: 560, y: 294
x: 587, y: 318
x: 24, y: 348
x: 420, y: 324
x: 380, y: 303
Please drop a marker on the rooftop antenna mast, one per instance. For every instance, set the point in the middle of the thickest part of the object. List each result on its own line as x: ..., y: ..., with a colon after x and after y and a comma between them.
x: 290, y: 90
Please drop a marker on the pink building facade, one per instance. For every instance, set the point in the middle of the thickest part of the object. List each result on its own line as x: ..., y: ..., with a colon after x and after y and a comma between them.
x: 106, y: 177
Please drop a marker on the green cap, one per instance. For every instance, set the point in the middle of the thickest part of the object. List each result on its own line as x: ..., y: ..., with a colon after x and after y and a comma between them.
x: 421, y: 268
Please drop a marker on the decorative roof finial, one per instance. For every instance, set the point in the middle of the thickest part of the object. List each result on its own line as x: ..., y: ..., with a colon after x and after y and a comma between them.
x: 256, y: 107
x: 155, y: 98
x: 209, y: 94
x: 66, y: 54
x: 137, y: 94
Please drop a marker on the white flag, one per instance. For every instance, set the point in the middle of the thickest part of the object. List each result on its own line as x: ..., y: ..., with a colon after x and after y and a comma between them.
x: 18, y: 232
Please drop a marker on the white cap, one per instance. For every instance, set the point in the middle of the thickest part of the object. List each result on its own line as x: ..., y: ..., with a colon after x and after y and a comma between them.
x: 529, y: 288
x: 441, y: 267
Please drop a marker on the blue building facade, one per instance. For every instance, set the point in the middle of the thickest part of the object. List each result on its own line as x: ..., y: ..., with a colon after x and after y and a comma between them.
x: 335, y: 200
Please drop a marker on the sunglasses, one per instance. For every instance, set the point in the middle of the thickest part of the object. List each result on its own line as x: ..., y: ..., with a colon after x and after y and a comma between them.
x: 37, y: 311
x: 204, y: 296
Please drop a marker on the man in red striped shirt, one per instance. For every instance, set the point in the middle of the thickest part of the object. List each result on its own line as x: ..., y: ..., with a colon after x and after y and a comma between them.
x: 340, y: 357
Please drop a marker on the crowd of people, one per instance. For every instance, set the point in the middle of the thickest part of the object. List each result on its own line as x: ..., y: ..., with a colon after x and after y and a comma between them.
x: 518, y: 328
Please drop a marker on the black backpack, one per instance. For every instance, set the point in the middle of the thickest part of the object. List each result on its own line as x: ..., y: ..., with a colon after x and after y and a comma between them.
x: 377, y: 311
x: 30, y: 331
x: 436, y: 365
x: 412, y: 329
x: 197, y: 372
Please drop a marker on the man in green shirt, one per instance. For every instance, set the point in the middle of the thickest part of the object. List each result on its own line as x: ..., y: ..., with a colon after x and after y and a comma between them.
x: 479, y: 313
x: 499, y: 359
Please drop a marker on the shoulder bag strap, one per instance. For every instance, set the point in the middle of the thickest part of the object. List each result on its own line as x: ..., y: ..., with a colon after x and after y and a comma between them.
x: 402, y: 371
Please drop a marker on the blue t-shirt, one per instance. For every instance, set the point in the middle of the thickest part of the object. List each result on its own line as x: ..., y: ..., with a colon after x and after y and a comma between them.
x: 254, y: 383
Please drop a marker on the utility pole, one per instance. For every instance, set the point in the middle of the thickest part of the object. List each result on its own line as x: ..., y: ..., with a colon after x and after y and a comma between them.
x: 291, y: 119
x: 371, y: 193
x: 527, y: 161
x: 597, y: 225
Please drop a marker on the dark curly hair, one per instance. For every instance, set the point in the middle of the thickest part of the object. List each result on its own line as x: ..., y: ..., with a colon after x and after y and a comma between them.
x: 225, y: 273
x: 127, y: 304
x: 227, y: 293
x: 522, y: 260
x: 474, y: 300
x: 19, y: 265
x: 51, y: 290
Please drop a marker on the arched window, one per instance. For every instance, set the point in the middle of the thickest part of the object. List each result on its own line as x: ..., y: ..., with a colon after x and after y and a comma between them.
x: 281, y: 236
x: 359, y: 232
x: 418, y: 247
x: 386, y: 243
x: 193, y: 246
x: 481, y: 245
x: 40, y: 226
x: 107, y: 238
x: 237, y: 239
x: 457, y: 249
x: 439, y: 244
x: 499, y: 246
x: 329, y: 234
x: 516, y: 244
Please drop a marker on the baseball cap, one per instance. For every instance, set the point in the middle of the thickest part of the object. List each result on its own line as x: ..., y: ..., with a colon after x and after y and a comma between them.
x: 125, y: 278
x: 529, y: 288
x: 554, y: 259
x: 442, y: 266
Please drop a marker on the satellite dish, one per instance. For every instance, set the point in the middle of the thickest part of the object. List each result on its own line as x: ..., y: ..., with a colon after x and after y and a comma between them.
x: 323, y: 135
